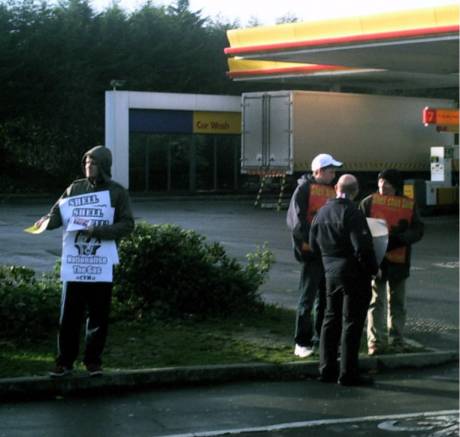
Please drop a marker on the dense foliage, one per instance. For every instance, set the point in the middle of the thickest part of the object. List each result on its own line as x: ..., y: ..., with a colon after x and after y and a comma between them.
x: 57, y: 59
x: 175, y: 272
x: 30, y: 305
x: 165, y: 271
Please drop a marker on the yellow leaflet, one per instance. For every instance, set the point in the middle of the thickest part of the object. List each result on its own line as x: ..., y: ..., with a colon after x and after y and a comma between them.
x: 37, y: 230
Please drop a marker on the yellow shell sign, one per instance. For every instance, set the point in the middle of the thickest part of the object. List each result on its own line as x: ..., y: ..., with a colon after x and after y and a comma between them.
x: 216, y: 122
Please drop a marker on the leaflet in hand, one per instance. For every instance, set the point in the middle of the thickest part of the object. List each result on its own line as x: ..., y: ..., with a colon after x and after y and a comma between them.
x: 38, y: 229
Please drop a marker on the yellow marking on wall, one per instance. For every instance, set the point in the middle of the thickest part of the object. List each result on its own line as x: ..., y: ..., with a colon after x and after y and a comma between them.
x: 409, y: 191
x: 216, y: 122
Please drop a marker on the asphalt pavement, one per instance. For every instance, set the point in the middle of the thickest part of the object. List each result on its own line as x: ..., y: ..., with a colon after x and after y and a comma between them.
x: 432, y: 288
x: 403, y: 403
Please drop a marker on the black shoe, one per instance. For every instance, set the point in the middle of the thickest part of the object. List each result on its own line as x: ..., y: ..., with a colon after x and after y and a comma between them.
x: 94, y: 369
x: 59, y: 371
x: 327, y: 378
x: 361, y: 380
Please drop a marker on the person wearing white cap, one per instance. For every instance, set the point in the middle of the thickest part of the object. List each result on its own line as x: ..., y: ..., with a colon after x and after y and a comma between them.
x: 311, y: 194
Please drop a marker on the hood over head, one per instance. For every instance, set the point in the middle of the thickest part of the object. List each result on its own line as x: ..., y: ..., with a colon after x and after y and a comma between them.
x: 393, y: 176
x: 306, y: 177
x: 103, y: 158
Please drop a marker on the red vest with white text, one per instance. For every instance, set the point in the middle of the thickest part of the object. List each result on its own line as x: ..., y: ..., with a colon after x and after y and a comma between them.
x: 319, y: 195
x: 393, y: 209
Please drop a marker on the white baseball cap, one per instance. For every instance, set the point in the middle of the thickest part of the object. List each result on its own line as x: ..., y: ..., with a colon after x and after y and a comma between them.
x: 324, y: 160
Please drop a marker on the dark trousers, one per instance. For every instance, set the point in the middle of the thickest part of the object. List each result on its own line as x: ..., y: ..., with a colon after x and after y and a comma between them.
x: 346, y: 307
x: 312, y: 288
x: 80, y: 299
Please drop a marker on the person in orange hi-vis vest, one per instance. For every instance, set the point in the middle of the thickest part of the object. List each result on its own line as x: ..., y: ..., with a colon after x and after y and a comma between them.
x: 311, y: 194
x: 389, y: 287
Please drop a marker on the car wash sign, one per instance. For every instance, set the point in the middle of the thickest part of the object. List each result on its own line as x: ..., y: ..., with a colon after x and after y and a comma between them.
x: 161, y: 121
x: 86, y: 258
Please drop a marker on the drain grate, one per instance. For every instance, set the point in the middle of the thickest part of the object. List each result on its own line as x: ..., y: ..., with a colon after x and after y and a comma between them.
x: 430, y: 326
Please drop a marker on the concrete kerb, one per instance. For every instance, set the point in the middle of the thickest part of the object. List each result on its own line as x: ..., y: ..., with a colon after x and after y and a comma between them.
x: 25, y: 388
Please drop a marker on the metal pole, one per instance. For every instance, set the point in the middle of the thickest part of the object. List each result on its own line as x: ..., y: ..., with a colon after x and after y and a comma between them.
x: 192, y: 166
x: 236, y: 165
x: 169, y: 164
x: 215, y: 164
x: 147, y: 166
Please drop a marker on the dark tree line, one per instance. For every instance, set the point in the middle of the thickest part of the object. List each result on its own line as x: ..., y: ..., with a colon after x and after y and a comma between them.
x: 56, y: 62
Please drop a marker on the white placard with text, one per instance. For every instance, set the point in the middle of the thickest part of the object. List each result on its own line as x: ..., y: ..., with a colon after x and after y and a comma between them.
x: 84, y: 258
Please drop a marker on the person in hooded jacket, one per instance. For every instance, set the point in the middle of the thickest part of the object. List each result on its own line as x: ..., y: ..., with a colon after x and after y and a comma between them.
x: 311, y: 194
x: 91, y: 297
x: 389, y: 287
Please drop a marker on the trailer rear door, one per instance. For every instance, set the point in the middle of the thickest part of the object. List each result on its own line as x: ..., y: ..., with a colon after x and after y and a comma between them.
x: 266, y: 132
x: 279, y: 132
x: 251, y: 132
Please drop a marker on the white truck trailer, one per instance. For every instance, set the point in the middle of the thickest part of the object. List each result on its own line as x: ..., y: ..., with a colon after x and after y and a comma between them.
x: 282, y: 131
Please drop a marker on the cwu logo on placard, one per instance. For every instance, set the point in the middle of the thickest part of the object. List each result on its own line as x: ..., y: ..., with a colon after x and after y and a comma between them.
x: 87, y: 264
x: 86, y: 245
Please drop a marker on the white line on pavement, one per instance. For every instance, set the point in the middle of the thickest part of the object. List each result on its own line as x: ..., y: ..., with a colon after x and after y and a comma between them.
x: 311, y: 423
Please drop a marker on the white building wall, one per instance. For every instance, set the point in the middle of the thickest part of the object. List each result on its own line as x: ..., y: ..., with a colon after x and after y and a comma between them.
x: 118, y: 104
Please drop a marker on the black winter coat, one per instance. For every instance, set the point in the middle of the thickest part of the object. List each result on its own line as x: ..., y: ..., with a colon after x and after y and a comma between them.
x: 340, y: 233
x: 296, y: 218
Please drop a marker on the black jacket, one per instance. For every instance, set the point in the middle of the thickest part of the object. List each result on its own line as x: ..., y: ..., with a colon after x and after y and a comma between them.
x: 340, y: 233
x: 296, y: 218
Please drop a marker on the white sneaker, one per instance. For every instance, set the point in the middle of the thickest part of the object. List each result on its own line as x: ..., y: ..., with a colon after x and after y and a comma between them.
x: 302, y: 351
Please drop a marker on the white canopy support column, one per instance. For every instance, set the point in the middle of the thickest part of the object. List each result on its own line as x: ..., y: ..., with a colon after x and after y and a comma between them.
x: 117, y: 133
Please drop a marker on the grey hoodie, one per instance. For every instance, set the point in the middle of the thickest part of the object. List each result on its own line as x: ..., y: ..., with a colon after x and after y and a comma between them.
x: 103, y: 157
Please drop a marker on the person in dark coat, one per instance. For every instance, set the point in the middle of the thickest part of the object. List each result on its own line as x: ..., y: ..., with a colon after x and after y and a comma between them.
x: 312, y: 192
x: 91, y: 297
x: 340, y: 234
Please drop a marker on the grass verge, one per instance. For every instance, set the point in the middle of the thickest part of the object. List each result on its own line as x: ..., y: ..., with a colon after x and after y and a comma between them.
x: 263, y: 337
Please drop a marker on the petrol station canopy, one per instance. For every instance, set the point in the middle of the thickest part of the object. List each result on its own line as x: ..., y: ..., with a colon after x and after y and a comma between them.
x: 397, y: 50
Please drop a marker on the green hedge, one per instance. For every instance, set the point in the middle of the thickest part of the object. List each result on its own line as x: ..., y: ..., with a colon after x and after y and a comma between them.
x: 174, y: 272
x: 164, y: 271
x: 29, y: 306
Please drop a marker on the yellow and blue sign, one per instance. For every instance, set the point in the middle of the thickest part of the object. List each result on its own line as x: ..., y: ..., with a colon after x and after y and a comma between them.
x: 184, y: 122
x: 216, y: 122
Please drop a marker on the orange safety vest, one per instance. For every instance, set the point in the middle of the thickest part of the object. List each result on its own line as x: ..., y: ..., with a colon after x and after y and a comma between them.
x: 393, y: 209
x: 319, y: 195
